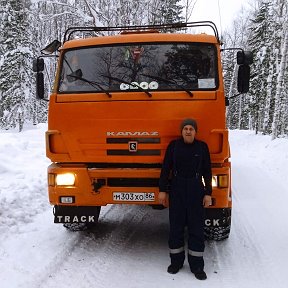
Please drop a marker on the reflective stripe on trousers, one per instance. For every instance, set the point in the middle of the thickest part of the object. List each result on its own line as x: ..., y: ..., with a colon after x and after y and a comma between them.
x: 195, y: 253
x: 176, y: 251
x: 190, y: 252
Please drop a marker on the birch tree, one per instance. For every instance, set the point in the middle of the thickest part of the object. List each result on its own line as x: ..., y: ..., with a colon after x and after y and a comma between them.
x: 188, y: 9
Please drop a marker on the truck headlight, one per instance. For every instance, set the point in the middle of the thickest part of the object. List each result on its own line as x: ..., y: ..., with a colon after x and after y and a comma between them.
x: 223, y: 181
x: 220, y: 181
x: 66, y: 179
x: 214, y: 181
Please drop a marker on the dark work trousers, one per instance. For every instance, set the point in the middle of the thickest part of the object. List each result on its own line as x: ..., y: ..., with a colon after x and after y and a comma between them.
x: 186, y: 209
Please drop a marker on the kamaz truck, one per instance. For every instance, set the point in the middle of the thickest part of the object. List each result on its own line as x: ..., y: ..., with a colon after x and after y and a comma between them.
x: 119, y: 96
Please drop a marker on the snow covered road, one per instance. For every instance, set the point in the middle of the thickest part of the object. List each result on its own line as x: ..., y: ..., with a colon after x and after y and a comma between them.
x: 129, y: 246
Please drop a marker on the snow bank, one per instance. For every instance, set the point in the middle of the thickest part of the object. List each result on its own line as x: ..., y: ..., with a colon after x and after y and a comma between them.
x: 272, y: 156
x: 23, y: 190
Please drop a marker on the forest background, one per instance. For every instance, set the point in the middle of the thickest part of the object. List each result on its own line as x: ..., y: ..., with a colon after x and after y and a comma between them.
x: 29, y: 25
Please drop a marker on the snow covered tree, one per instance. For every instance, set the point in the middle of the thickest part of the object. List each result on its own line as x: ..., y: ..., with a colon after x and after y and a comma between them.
x: 237, y: 111
x: 188, y: 7
x: 267, y: 101
x: 16, y: 76
x: 261, y: 46
x: 279, y: 126
x: 126, y: 12
x: 171, y: 11
x: 2, y: 15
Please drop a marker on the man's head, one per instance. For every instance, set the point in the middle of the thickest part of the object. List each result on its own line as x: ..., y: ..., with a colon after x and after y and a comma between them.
x: 188, y: 130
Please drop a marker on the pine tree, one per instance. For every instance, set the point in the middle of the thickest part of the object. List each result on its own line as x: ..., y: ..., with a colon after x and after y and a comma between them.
x: 259, y: 43
x: 237, y: 111
x: 126, y: 12
x: 2, y: 16
x: 279, y: 127
x: 264, y: 108
x: 170, y: 12
x: 15, y: 69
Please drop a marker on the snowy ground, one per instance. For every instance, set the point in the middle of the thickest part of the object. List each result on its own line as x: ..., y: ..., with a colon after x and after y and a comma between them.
x: 129, y: 247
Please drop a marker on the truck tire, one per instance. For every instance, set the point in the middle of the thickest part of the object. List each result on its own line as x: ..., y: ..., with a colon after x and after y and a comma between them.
x: 74, y: 227
x: 217, y: 224
x: 217, y: 233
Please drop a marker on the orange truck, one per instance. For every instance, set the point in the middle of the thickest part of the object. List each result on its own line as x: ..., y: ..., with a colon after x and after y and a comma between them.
x: 119, y: 96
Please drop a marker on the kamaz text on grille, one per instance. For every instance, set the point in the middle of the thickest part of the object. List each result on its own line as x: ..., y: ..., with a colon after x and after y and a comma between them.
x: 128, y: 133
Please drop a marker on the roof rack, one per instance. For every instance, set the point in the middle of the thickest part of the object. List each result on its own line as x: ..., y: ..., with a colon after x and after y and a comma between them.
x: 70, y: 31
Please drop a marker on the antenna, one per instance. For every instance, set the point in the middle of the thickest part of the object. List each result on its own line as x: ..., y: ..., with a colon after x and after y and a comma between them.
x: 220, y: 18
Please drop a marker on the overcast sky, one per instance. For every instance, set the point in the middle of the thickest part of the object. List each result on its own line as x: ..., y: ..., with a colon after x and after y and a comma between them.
x: 214, y: 10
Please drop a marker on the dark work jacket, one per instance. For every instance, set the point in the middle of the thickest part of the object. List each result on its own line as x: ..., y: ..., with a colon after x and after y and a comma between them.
x: 192, y: 161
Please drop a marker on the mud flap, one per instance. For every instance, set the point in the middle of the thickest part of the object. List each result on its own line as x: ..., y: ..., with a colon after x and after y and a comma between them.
x: 76, y: 214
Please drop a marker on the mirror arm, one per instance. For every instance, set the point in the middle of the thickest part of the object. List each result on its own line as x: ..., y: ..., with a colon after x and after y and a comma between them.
x: 235, y: 96
x: 227, y: 49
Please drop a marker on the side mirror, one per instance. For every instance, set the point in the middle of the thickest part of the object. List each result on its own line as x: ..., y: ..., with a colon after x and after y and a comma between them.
x: 39, y: 85
x: 38, y: 65
x: 244, y: 57
x: 51, y: 48
x: 243, y: 78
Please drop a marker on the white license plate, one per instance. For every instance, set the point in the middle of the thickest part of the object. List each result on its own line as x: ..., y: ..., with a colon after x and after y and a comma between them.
x: 133, y: 196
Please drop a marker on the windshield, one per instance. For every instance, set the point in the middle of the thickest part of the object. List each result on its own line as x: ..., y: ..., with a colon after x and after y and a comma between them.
x: 144, y: 67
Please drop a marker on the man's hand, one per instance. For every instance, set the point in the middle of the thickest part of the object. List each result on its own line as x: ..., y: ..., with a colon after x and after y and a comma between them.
x: 163, y: 198
x: 207, y: 201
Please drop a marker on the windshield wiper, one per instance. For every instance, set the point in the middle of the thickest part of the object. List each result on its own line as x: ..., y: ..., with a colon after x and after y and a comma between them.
x: 125, y: 82
x: 77, y: 75
x: 168, y: 82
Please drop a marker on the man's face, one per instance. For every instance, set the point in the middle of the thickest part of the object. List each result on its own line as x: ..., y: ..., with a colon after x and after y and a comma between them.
x: 188, y: 133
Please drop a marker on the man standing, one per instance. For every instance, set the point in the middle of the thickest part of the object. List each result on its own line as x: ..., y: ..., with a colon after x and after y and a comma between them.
x: 187, y: 163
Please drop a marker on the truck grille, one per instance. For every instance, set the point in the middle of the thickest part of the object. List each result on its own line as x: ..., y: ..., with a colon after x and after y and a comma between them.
x: 132, y: 182
x: 123, y: 165
x: 138, y: 152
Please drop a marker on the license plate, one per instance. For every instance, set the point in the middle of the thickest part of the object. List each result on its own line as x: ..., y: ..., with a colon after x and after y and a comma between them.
x: 133, y: 196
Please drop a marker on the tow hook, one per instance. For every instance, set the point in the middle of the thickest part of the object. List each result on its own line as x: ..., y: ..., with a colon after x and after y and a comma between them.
x: 97, y: 184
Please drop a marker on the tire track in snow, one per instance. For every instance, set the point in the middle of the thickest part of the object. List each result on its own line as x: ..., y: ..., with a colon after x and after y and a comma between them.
x: 122, y: 232
x: 251, y: 226
x: 248, y: 254
x: 62, y: 253
x: 60, y: 246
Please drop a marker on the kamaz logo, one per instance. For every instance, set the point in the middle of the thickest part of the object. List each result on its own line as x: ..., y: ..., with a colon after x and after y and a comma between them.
x: 115, y: 134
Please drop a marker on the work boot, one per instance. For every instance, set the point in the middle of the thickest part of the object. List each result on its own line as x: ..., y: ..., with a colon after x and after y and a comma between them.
x: 200, y: 275
x: 173, y: 269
